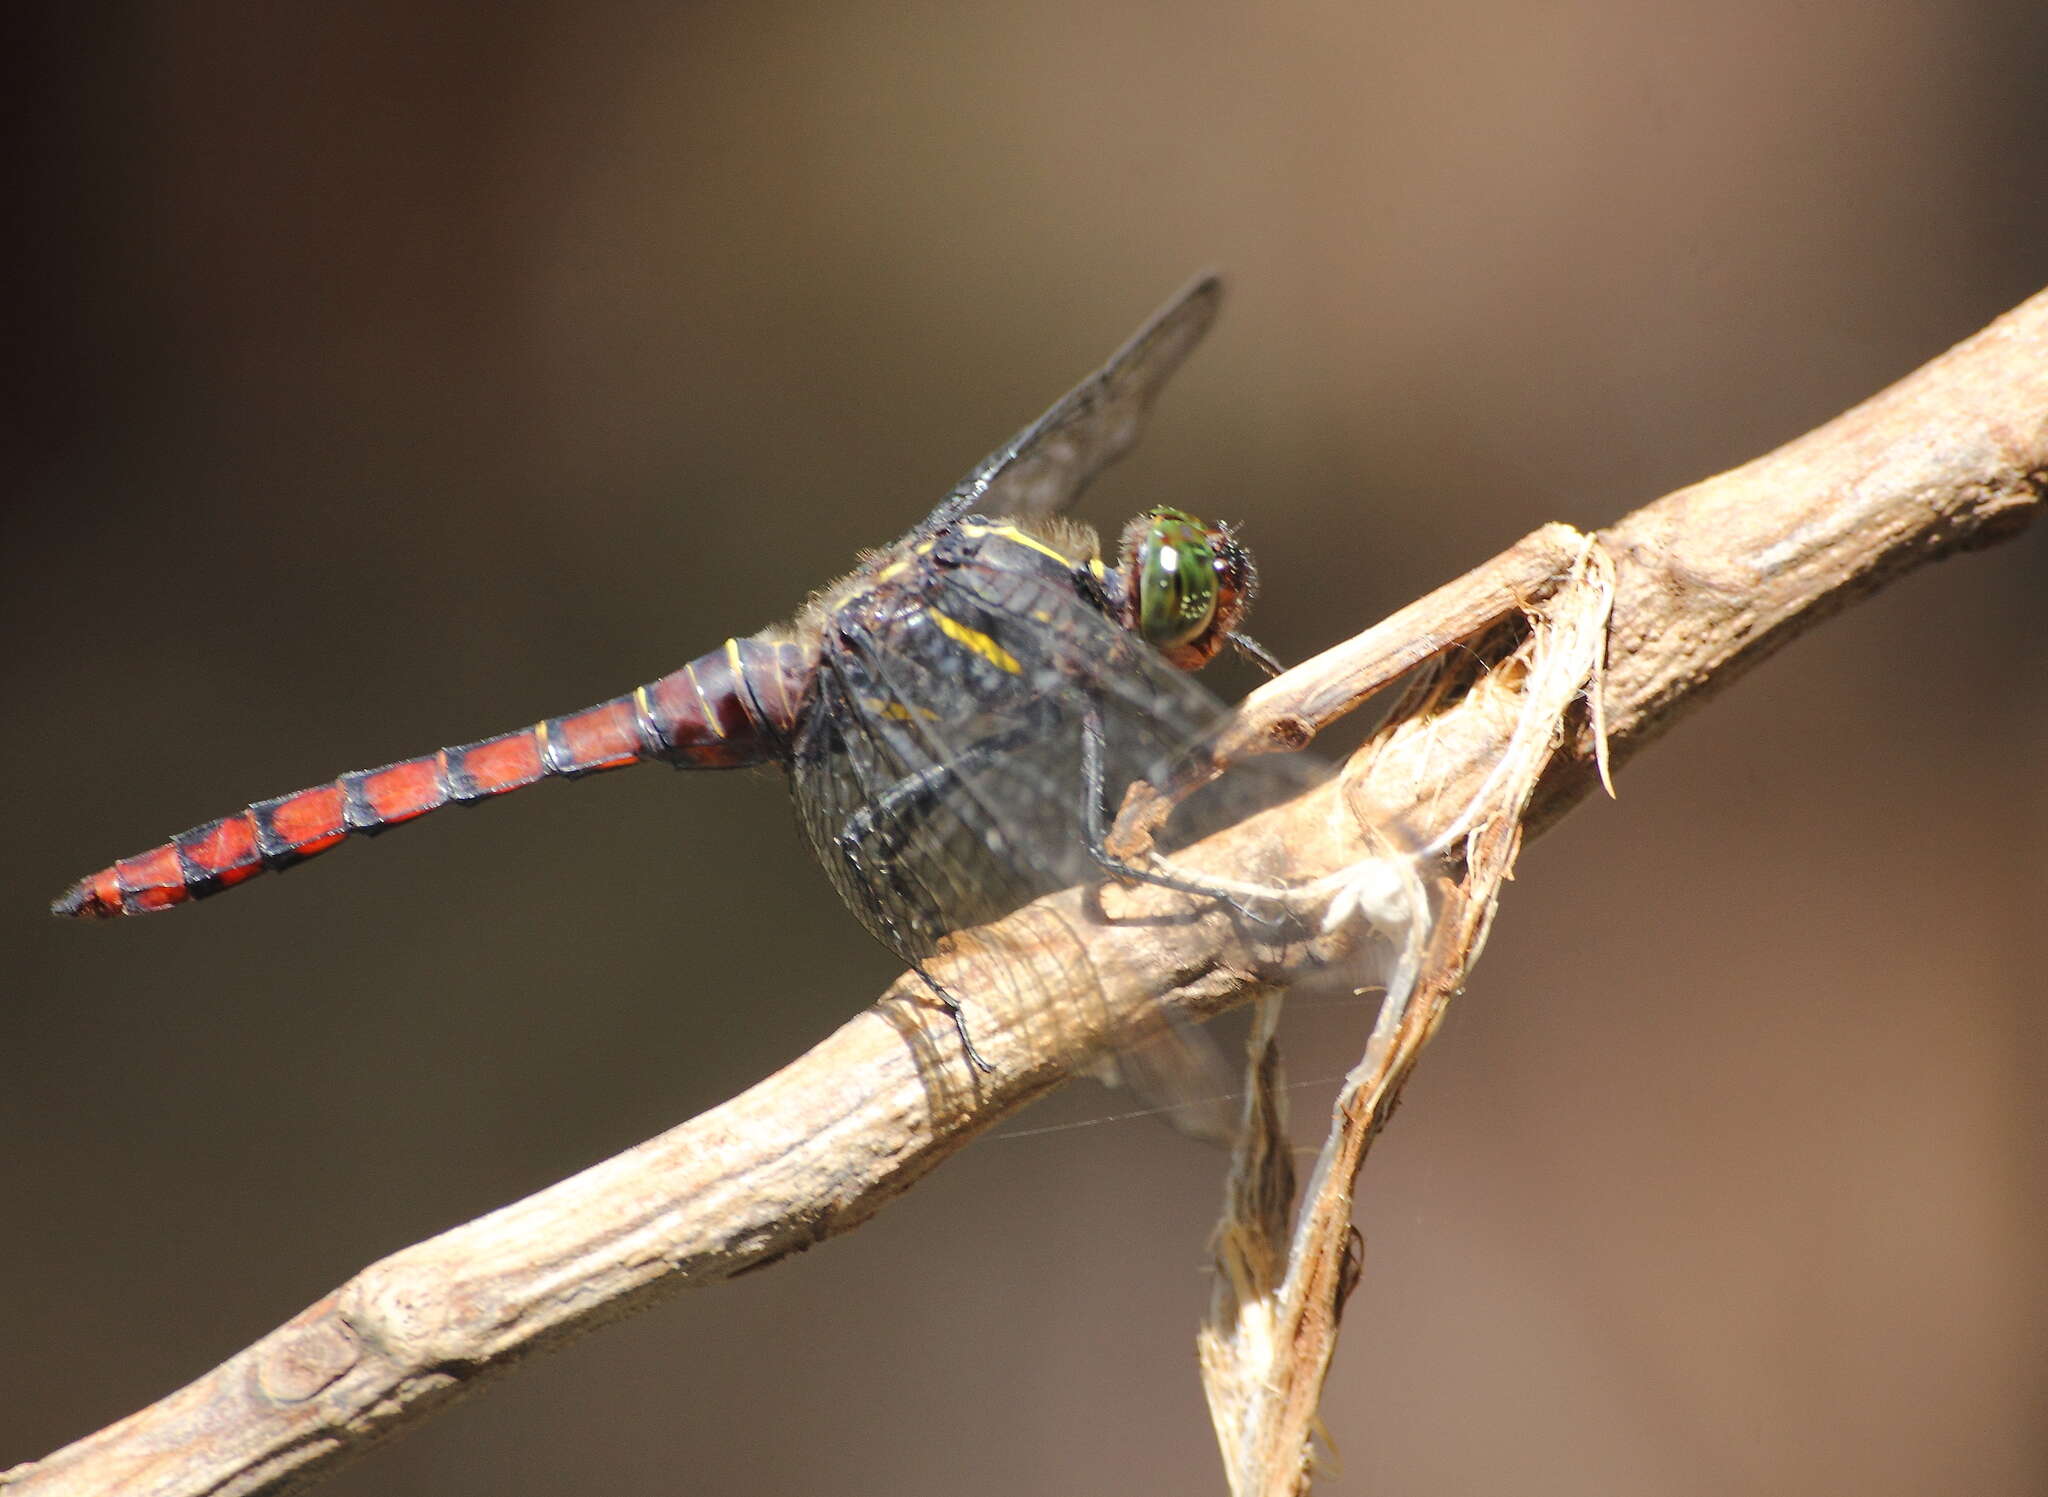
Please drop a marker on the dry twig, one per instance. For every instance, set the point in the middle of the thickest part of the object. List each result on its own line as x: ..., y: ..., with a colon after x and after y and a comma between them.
x: 1706, y: 582
x: 1272, y: 1327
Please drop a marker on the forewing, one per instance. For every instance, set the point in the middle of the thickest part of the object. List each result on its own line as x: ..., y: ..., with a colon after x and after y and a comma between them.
x: 1044, y: 468
x: 966, y: 797
x: 949, y: 792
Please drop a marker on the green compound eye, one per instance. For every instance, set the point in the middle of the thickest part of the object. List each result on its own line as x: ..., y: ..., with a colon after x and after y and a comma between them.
x: 1176, y: 579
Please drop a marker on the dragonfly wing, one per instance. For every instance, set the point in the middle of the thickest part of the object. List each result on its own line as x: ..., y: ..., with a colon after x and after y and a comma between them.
x: 940, y: 777
x: 943, y: 784
x: 1044, y: 468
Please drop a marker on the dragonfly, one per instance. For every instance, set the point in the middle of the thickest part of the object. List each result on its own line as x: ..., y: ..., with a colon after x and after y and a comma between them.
x: 959, y: 717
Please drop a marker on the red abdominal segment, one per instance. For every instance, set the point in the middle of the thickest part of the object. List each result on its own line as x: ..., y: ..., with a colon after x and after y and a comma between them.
x: 732, y: 707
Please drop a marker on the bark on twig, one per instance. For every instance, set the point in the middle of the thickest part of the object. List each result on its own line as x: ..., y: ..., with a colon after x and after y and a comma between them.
x: 1707, y: 581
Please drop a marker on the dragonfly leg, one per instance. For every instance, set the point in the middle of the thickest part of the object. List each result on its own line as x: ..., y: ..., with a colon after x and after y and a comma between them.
x: 954, y: 1007
x: 854, y: 845
x: 1256, y: 653
x: 897, y: 808
x: 1093, y: 751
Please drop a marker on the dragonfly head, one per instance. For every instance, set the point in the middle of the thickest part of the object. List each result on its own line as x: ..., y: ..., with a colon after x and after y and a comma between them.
x: 1186, y: 584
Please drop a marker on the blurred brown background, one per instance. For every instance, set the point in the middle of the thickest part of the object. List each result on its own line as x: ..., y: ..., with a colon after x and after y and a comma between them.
x: 390, y: 375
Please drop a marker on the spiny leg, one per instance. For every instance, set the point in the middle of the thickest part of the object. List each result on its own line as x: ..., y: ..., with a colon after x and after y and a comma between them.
x: 954, y: 1007
x: 1094, y: 790
x: 852, y: 841
x: 897, y: 939
x: 914, y: 794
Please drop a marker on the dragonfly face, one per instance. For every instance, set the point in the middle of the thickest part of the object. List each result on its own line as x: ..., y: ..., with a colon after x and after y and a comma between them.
x: 956, y: 717
x: 1187, y: 584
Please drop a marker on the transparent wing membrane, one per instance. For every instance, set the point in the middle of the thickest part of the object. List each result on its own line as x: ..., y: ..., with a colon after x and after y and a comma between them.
x: 1044, y: 468
x: 942, y: 778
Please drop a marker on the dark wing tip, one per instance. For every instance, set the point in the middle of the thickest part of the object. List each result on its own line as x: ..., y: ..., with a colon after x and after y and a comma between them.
x: 1044, y: 467
x: 1150, y: 356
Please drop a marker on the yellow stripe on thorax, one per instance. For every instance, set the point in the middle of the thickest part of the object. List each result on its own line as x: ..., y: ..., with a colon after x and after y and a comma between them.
x: 976, y: 641
x: 1012, y: 534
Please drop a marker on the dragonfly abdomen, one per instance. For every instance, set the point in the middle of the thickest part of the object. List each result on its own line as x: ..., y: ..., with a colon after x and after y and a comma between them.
x: 733, y: 707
